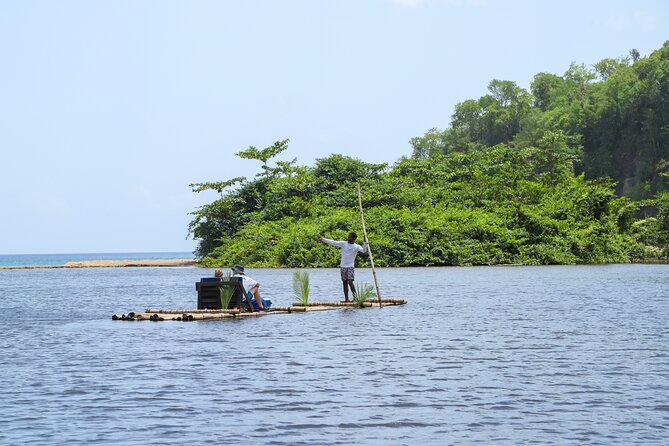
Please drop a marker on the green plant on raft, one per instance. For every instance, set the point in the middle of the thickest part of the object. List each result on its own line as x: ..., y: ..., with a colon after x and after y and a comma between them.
x: 226, y: 292
x: 364, y: 292
x: 301, y: 286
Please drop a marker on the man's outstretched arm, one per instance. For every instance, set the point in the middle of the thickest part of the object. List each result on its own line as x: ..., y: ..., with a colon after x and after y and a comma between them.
x: 336, y: 243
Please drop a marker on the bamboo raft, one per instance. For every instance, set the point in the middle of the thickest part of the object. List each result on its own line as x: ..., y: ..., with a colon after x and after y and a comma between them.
x: 156, y: 315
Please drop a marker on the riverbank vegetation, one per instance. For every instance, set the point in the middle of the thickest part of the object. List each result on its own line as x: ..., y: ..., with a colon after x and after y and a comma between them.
x: 573, y: 171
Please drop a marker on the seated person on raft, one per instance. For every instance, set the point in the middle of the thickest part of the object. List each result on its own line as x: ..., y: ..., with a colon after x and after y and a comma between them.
x: 251, y: 288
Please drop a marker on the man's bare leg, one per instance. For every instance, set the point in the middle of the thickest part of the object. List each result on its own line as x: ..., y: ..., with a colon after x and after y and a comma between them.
x: 345, y: 290
x: 350, y: 283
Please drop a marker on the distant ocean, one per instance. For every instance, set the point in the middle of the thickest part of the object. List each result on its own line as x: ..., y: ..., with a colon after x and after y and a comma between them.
x: 62, y: 259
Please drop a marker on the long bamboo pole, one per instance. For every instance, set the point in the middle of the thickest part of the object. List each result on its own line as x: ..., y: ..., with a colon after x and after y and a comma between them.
x: 369, y: 249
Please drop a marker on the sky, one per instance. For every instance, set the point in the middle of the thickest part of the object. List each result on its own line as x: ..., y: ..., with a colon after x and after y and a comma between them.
x: 109, y: 109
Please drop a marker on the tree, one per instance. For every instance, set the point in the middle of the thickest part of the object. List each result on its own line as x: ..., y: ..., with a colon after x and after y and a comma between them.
x: 265, y: 154
x: 218, y: 186
x: 606, y: 67
x: 516, y: 177
x: 634, y: 54
x: 487, y: 206
x: 545, y: 88
x: 428, y: 144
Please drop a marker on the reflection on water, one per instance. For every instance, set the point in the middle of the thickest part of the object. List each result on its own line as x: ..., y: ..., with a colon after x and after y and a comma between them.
x: 497, y: 355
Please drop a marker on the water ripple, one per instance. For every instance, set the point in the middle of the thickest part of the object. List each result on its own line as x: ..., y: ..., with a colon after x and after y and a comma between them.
x: 554, y: 355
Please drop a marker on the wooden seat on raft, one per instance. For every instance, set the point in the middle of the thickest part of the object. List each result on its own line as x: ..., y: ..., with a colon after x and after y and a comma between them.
x: 209, y: 296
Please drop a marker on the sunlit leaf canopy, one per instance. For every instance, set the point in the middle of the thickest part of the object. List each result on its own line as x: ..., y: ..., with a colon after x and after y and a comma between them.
x: 572, y: 171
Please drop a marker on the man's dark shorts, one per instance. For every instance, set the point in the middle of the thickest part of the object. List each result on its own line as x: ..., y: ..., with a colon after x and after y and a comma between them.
x: 347, y: 273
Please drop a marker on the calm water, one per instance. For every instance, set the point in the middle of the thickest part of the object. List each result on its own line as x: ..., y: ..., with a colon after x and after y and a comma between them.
x: 62, y: 259
x: 506, y: 355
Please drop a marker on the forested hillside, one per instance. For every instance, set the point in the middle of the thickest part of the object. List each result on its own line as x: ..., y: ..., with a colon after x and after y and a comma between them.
x: 517, y: 178
x: 615, y: 115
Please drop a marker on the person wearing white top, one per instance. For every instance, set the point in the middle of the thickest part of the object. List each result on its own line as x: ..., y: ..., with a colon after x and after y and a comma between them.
x: 250, y: 285
x: 349, y: 251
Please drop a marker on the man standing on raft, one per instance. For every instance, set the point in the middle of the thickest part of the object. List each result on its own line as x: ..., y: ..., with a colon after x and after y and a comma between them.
x: 349, y: 251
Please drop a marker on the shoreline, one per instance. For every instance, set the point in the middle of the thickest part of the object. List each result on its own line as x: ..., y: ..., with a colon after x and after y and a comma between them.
x: 172, y: 263
x: 111, y: 264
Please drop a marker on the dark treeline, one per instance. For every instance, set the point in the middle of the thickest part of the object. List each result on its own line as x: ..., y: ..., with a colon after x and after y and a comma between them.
x: 517, y: 178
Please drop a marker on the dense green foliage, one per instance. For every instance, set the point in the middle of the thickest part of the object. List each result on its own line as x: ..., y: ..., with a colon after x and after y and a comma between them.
x: 495, y: 205
x: 518, y: 178
x: 616, y: 113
